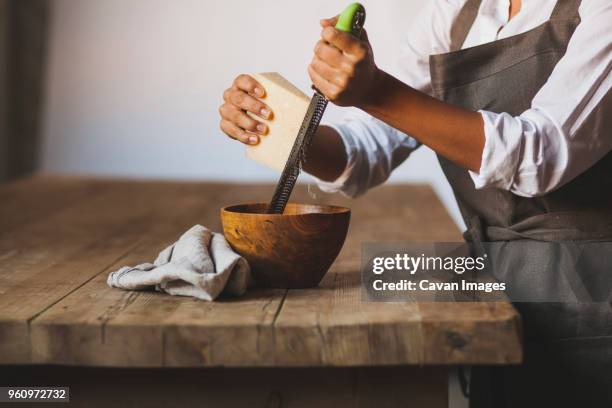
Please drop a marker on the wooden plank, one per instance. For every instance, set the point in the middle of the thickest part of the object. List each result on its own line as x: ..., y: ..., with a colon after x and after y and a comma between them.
x: 145, y: 329
x: 121, y: 328
x: 471, y: 333
x: 394, y: 213
x: 31, y: 199
x: 332, y: 325
x: 46, y: 260
x: 177, y: 331
x: 91, y: 324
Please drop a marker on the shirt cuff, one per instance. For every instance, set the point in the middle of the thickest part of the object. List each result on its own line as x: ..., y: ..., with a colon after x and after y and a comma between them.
x: 341, y: 184
x: 500, y: 156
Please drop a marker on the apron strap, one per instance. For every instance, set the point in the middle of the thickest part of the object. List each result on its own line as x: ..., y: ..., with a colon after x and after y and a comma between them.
x: 463, y: 23
x: 566, y: 10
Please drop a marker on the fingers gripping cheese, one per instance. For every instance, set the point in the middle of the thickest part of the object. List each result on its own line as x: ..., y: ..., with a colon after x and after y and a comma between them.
x: 289, y: 106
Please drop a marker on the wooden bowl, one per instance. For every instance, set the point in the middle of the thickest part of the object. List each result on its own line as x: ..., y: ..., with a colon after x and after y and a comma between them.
x: 292, y: 250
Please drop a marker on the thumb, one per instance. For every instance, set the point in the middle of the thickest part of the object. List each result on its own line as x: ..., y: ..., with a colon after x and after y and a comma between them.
x: 329, y: 22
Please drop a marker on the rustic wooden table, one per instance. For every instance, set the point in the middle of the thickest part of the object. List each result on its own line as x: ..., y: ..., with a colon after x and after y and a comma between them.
x: 60, y: 236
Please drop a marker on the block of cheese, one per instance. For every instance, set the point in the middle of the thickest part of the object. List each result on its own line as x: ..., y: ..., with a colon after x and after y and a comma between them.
x: 289, y: 105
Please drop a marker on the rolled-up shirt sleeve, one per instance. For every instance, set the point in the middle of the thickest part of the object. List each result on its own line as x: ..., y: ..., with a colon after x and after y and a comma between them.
x: 566, y: 130
x: 373, y: 149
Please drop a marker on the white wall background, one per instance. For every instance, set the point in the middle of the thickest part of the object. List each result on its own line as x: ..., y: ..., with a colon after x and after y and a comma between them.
x: 134, y: 86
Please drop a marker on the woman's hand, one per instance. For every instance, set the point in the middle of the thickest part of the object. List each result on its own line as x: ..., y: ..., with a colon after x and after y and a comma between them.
x: 343, y: 67
x: 243, y: 96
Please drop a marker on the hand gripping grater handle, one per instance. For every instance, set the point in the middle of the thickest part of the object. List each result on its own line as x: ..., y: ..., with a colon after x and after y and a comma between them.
x: 351, y: 20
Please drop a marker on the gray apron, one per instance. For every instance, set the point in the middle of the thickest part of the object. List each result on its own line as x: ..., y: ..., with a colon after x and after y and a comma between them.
x: 568, y: 342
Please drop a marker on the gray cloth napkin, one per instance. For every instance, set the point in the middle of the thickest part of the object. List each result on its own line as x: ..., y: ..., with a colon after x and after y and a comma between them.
x: 200, y: 264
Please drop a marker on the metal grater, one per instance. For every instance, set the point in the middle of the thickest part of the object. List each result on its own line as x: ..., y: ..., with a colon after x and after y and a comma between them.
x: 296, y: 158
x: 351, y: 20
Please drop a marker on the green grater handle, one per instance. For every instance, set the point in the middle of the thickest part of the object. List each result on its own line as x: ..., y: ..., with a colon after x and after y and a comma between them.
x: 351, y: 20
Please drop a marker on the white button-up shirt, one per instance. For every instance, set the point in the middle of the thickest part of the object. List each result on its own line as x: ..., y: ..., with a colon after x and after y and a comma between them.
x: 566, y: 130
